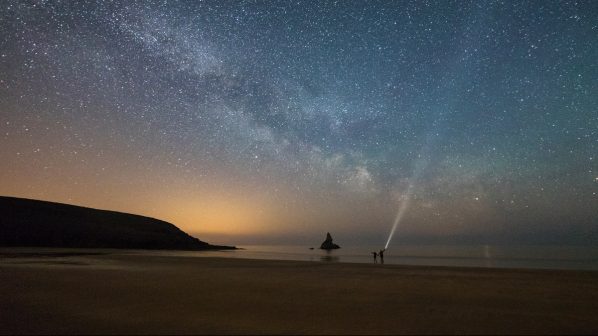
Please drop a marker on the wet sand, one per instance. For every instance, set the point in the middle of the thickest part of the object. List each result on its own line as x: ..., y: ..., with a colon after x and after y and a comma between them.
x: 137, y: 294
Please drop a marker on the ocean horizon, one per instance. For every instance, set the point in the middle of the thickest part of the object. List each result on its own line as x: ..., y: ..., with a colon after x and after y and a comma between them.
x: 488, y: 256
x: 485, y: 256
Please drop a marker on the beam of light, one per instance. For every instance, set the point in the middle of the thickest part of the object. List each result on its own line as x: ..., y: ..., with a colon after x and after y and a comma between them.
x: 420, y: 165
x: 400, y: 213
x: 451, y: 89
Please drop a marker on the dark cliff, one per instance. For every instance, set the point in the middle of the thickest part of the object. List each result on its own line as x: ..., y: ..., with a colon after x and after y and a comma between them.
x: 25, y: 222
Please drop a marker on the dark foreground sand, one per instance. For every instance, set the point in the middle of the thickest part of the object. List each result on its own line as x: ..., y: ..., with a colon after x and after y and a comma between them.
x: 166, y: 295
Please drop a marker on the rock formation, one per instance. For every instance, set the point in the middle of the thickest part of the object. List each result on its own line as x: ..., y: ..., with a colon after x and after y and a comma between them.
x: 328, y: 244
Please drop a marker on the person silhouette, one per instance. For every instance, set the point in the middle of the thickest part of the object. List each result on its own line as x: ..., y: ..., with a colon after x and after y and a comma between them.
x: 381, y: 254
x: 375, y: 257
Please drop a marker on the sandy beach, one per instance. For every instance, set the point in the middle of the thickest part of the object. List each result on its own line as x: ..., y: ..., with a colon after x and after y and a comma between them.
x: 137, y: 294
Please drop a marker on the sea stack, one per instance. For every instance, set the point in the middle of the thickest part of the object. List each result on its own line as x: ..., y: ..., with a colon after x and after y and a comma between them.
x: 328, y: 244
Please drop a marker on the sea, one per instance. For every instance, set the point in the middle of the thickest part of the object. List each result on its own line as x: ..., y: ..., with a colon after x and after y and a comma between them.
x: 490, y: 256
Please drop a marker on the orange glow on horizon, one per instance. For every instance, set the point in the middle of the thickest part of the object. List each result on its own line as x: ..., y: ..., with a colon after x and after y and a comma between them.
x: 220, y: 214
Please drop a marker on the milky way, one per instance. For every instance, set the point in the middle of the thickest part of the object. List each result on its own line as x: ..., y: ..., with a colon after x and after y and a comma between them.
x: 277, y: 120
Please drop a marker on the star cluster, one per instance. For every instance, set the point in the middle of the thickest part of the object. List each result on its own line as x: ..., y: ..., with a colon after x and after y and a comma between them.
x: 263, y: 120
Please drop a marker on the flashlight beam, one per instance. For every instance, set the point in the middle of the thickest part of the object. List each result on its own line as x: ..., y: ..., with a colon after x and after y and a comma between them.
x: 400, y: 214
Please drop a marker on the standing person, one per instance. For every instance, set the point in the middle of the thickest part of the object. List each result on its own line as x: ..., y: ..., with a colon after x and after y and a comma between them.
x: 381, y: 253
x: 375, y: 257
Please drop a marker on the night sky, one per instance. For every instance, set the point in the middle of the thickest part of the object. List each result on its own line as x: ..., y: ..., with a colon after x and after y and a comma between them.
x: 277, y: 121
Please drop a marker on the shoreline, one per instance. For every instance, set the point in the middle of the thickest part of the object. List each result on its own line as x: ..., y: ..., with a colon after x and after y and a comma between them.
x: 451, y: 261
x: 130, y: 293
x: 69, y: 252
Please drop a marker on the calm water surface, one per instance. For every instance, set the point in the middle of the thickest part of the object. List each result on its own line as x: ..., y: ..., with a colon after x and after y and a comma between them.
x: 546, y: 257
